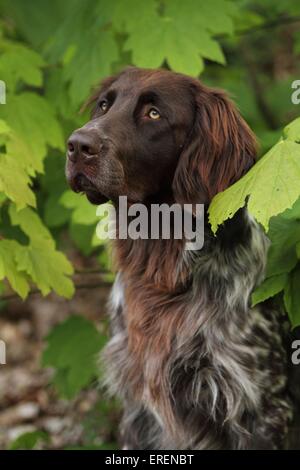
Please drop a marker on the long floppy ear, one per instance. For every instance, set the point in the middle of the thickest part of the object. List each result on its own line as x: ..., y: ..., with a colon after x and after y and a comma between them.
x: 220, y: 149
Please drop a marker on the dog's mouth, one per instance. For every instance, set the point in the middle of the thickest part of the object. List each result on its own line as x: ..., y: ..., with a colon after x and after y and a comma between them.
x: 82, y: 184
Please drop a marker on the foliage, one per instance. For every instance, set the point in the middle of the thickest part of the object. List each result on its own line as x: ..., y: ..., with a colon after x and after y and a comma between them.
x: 175, y: 36
x: 27, y: 127
x: 275, y: 180
x: 282, y: 273
x: 71, y: 350
x: 29, y: 440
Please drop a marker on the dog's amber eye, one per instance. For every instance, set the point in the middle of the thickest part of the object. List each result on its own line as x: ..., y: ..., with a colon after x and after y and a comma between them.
x: 153, y: 114
x: 103, y: 105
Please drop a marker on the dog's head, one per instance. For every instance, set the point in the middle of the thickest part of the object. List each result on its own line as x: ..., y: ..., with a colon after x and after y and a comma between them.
x: 158, y: 135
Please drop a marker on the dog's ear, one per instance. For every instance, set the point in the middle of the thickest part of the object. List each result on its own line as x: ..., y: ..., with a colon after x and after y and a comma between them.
x: 219, y: 150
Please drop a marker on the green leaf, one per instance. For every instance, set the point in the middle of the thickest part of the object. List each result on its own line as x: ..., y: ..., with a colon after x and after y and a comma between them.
x: 30, y: 223
x: 165, y: 42
x: 97, y: 47
x: 88, y: 16
x: 47, y: 267
x: 82, y: 236
x: 210, y: 49
x: 270, y: 287
x: 99, y: 52
x: 292, y: 130
x: 9, y: 250
x: 123, y: 21
x: 292, y: 297
x: 36, y: 20
x: 33, y: 121
x: 215, y: 16
x: 84, y: 213
x: 56, y: 92
x: 267, y: 182
x: 71, y: 349
x: 14, y: 182
x: 19, y: 63
x: 29, y: 440
x: 55, y: 214
x: 178, y: 36
x: 15, y: 177
x: 284, y: 233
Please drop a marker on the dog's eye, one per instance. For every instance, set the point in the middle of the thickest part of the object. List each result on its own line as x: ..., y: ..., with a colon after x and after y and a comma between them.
x: 103, y: 105
x: 153, y: 114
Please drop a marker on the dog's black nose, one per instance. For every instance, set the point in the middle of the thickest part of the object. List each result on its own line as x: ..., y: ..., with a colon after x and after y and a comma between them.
x: 83, y: 145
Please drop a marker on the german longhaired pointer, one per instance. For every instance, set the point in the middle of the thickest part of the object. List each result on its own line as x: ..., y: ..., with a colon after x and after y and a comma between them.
x: 194, y: 365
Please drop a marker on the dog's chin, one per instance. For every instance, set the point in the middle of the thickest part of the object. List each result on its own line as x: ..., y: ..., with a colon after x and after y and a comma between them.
x: 95, y: 197
x: 82, y: 184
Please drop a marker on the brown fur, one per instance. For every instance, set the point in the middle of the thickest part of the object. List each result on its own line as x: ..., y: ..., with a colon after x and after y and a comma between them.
x: 191, y: 360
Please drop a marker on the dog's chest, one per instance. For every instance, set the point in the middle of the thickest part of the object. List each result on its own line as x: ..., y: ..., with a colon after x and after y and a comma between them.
x: 164, y: 346
x: 158, y: 350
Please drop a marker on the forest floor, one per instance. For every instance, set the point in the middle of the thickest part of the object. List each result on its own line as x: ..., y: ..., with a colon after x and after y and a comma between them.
x: 27, y: 402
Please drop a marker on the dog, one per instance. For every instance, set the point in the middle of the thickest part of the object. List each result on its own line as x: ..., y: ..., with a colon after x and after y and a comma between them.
x: 194, y: 365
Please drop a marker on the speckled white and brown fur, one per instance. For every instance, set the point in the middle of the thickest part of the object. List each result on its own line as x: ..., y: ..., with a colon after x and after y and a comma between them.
x: 195, y: 366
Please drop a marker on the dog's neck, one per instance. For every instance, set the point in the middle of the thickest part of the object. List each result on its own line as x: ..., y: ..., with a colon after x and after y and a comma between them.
x: 169, y: 295
x: 169, y: 267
